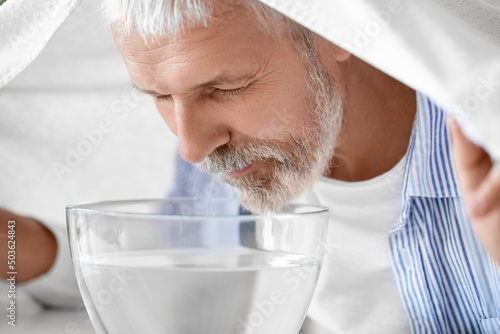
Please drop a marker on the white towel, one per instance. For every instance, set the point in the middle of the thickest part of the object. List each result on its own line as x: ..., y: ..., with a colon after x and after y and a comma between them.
x: 26, y: 26
x: 447, y: 49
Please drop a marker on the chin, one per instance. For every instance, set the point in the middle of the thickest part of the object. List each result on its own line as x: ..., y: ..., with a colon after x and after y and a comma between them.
x: 259, y: 199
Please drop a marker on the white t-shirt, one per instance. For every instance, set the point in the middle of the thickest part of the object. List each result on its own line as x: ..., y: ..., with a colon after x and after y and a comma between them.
x: 357, y: 292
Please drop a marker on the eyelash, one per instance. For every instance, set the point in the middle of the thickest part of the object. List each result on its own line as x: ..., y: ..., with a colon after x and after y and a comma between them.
x: 229, y: 91
x: 216, y: 90
x: 163, y: 97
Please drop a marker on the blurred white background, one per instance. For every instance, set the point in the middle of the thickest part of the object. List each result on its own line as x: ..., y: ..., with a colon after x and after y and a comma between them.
x: 72, y: 130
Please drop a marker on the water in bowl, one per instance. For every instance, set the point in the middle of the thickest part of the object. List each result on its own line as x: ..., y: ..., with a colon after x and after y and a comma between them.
x: 195, y: 291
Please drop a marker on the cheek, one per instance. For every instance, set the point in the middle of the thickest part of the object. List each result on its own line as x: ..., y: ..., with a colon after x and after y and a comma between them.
x: 274, y: 119
x: 279, y: 123
x: 279, y: 106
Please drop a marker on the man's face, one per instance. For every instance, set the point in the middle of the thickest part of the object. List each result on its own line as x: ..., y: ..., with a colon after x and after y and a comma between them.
x: 243, y: 104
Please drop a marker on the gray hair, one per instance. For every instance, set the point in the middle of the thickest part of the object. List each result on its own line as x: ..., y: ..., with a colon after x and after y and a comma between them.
x: 152, y: 18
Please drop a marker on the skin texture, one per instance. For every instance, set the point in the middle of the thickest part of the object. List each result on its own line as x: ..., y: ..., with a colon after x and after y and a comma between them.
x: 203, y: 119
x: 378, y: 119
x: 480, y: 185
x: 35, y: 247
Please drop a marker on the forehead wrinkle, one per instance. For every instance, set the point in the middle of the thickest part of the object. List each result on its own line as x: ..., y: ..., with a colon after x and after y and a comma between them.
x: 256, y: 67
x: 191, y: 53
x: 221, y: 78
x: 172, y: 54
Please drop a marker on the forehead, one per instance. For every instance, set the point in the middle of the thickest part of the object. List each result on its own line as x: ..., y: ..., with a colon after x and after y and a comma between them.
x: 230, y: 42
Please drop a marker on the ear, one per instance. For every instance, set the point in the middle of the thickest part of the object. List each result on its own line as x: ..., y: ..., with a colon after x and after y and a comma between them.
x: 328, y: 50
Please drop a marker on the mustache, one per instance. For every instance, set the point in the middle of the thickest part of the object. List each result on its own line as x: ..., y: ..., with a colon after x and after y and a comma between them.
x: 231, y: 157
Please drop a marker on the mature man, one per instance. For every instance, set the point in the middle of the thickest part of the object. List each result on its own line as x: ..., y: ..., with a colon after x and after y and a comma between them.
x: 272, y: 107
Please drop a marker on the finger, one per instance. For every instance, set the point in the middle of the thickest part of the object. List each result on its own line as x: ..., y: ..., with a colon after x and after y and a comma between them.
x: 472, y: 163
x: 488, y: 195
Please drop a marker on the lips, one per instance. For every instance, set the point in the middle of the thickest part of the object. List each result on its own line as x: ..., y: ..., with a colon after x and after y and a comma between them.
x: 239, y: 172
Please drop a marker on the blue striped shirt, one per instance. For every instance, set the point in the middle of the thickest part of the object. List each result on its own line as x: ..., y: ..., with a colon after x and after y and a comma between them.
x: 446, y: 281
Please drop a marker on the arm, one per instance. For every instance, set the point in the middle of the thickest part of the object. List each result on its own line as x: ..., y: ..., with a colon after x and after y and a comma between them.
x: 480, y: 183
x: 35, y: 247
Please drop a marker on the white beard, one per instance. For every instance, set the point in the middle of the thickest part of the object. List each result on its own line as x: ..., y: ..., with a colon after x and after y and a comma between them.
x: 295, y: 164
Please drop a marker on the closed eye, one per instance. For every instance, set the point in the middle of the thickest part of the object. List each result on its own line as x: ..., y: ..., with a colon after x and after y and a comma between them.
x: 229, y: 91
x: 163, y: 97
x: 214, y: 90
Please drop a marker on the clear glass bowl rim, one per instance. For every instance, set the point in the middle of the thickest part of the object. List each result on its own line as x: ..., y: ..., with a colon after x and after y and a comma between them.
x: 88, y: 207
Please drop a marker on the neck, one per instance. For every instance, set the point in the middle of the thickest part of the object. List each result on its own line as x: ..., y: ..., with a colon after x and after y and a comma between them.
x: 377, y: 123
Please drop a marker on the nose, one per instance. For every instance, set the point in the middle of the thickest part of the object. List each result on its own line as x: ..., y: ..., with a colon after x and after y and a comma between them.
x: 200, y: 130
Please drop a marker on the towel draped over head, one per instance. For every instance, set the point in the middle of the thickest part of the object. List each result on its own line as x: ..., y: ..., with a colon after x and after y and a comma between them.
x: 26, y: 26
x: 446, y: 49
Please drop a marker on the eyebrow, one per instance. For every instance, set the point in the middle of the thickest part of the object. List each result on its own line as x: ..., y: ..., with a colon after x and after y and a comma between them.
x: 219, y: 80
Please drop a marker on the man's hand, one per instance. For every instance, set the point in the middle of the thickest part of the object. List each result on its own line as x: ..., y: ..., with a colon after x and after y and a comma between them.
x: 480, y: 184
x: 35, y: 247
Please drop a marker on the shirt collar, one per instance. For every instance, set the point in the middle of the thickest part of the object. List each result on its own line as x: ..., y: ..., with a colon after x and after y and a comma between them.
x: 429, y: 171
